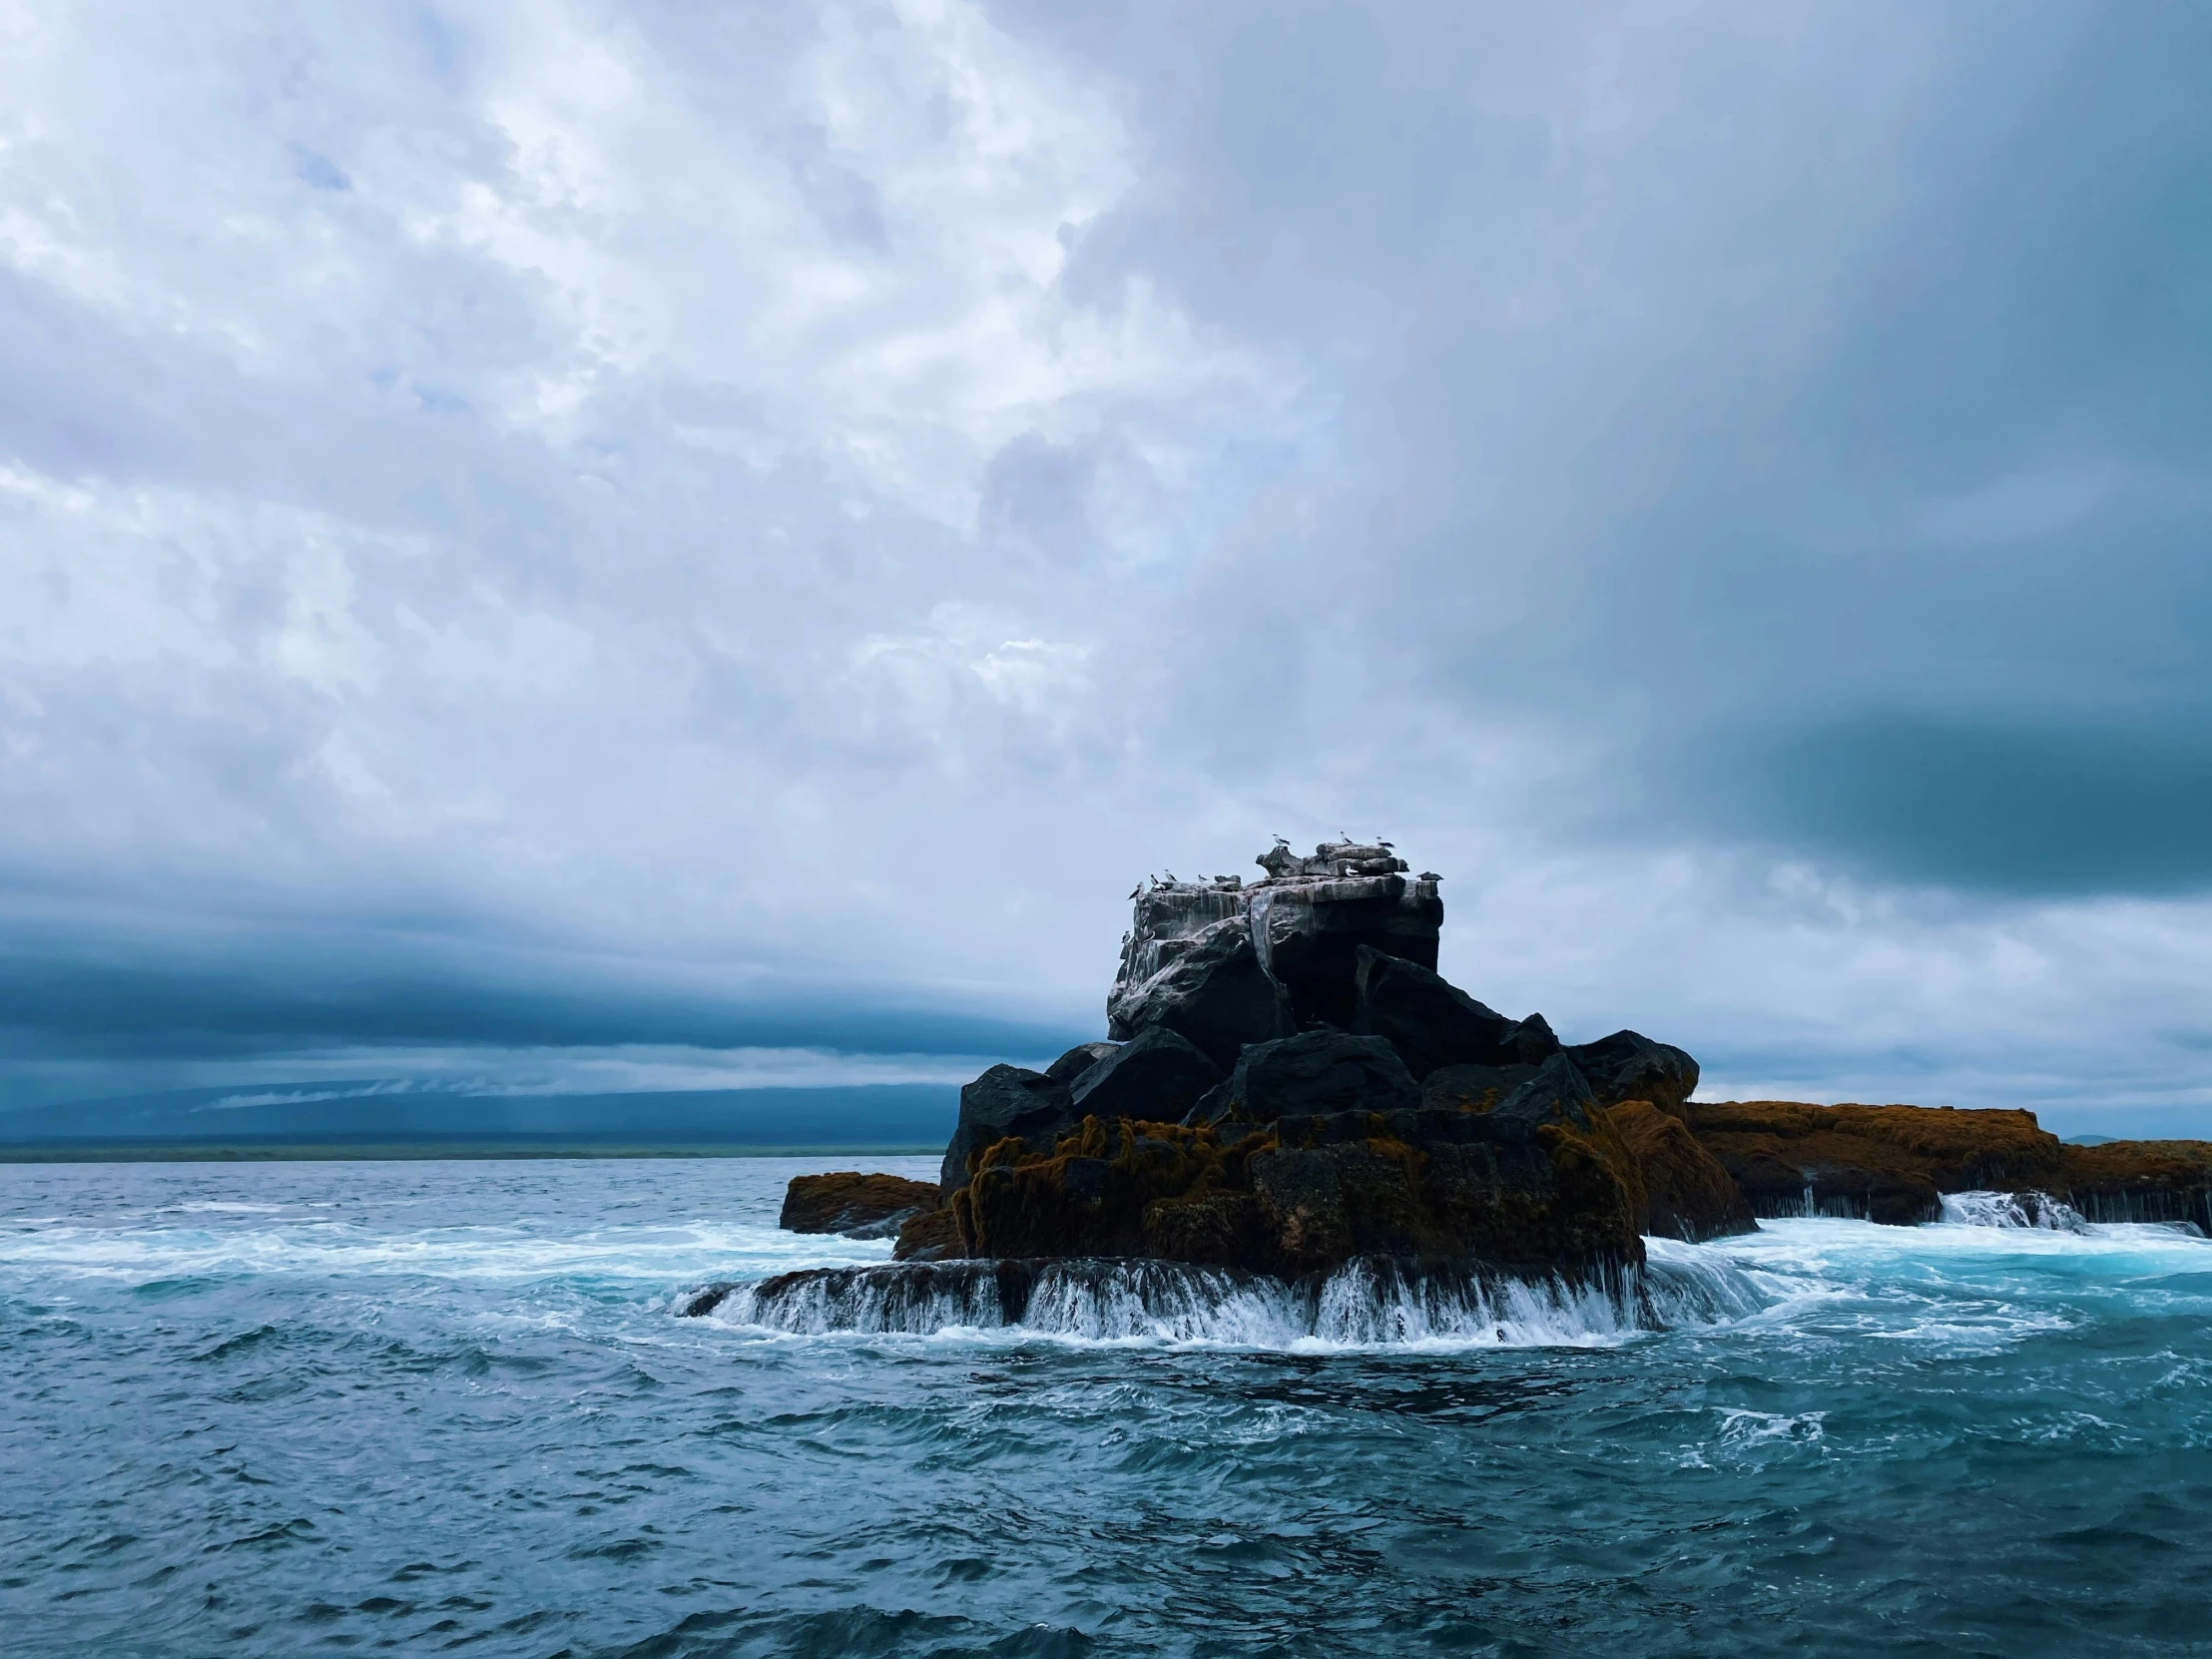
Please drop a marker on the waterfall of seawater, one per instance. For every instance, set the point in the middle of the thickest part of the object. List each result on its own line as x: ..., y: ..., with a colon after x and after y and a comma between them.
x: 1980, y: 1209
x: 1367, y: 1303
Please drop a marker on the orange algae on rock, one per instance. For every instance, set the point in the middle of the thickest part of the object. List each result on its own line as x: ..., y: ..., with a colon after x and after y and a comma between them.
x: 1686, y: 1193
x: 2140, y: 1180
x: 1880, y: 1163
x: 842, y: 1200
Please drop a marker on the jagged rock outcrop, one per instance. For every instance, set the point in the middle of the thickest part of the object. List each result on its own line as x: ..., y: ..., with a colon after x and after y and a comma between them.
x: 856, y: 1205
x: 1532, y: 1042
x: 1428, y: 1019
x: 1157, y: 1076
x: 1292, y: 1086
x: 1077, y: 1061
x: 1315, y: 1071
x: 1630, y: 1066
x: 1005, y: 1100
x: 1686, y: 1194
x: 1472, y: 1088
x: 1211, y: 991
x: 1307, y: 919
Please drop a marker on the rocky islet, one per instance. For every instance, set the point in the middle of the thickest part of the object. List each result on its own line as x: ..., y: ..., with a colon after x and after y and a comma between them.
x: 1289, y: 1085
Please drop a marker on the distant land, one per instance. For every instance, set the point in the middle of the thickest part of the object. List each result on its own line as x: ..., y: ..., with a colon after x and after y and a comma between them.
x: 363, y: 1120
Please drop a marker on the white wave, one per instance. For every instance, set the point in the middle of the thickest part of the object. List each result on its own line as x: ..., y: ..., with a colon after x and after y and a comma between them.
x: 2030, y: 1209
x: 1366, y: 1305
x: 667, y: 1254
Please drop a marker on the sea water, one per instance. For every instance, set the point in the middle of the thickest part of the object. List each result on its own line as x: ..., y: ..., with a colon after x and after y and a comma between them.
x: 419, y: 1407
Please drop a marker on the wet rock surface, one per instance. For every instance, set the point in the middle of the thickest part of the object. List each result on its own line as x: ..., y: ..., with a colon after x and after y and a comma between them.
x: 1630, y: 1066
x: 1687, y: 1193
x: 856, y: 1205
x: 1005, y: 1100
x: 1157, y: 1075
x: 1895, y: 1163
x: 1212, y: 992
x: 2165, y: 1181
x: 1318, y: 1071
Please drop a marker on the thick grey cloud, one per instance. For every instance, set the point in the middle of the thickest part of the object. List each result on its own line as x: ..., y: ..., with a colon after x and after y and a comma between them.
x: 742, y: 530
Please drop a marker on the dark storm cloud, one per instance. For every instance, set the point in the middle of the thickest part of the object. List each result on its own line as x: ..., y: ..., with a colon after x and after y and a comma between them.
x: 2037, y: 809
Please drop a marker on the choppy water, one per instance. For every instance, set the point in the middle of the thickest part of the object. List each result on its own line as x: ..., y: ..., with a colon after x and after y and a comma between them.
x: 284, y: 1409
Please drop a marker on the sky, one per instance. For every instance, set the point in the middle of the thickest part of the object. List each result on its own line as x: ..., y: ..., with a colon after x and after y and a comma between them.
x: 593, y: 547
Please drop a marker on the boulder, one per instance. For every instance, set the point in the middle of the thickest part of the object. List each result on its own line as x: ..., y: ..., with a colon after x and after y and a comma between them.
x: 1472, y: 1088
x: 1556, y: 1094
x: 856, y: 1205
x: 1530, y: 1041
x: 1630, y: 1066
x: 1213, y: 992
x: 1319, y: 1071
x: 1686, y: 1193
x: 1428, y: 1019
x: 1157, y: 1075
x: 931, y: 1236
x: 1006, y: 1100
x: 1077, y: 1061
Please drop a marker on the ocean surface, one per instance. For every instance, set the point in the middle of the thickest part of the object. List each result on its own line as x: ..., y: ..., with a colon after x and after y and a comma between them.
x: 290, y: 1409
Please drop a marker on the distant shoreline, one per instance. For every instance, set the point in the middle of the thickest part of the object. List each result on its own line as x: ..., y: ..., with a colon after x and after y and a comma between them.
x: 427, y: 1150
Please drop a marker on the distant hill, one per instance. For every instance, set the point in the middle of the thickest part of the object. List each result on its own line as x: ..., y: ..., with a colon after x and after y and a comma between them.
x: 362, y: 1114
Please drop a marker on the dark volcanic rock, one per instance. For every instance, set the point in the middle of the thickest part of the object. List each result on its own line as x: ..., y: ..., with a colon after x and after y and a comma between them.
x: 1311, y: 933
x: 2140, y: 1180
x: 1686, y: 1194
x: 931, y: 1236
x: 1428, y: 1019
x: 1319, y: 1071
x: 1531, y: 1042
x: 859, y: 1206
x: 1320, y: 1190
x: 1214, y: 993
x: 1629, y: 1066
x: 1006, y: 1100
x: 1077, y: 1061
x: 1319, y: 1146
x: 1472, y: 1088
x: 1557, y: 1093
x: 1157, y: 1075
x: 1306, y: 922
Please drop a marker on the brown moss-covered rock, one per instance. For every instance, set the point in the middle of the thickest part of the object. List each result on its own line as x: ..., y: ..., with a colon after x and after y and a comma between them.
x: 931, y: 1236
x: 1881, y: 1163
x: 852, y: 1203
x: 1309, y: 1192
x: 2139, y: 1181
x: 1686, y: 1194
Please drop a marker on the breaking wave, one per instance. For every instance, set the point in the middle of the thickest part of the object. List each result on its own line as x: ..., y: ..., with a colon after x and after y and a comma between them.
x: 1372, y: 1303
x: 2030, y: 1209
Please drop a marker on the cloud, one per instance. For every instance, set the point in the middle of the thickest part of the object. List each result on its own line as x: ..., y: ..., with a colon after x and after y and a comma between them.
x: 744, y: 528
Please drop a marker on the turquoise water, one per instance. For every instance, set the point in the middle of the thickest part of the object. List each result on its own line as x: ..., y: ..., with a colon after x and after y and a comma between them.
x: 419, y: 1407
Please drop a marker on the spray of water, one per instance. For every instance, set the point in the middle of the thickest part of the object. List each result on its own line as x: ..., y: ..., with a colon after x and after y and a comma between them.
x: 1372, y: 1303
